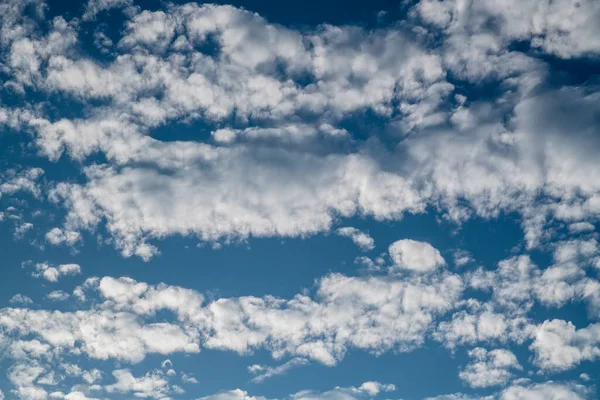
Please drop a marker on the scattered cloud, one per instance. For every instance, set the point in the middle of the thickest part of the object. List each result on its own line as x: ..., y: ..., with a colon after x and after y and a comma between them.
x: 361, y: 239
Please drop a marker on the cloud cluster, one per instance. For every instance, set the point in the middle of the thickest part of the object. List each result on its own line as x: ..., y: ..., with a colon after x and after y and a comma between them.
x: 278, y: 160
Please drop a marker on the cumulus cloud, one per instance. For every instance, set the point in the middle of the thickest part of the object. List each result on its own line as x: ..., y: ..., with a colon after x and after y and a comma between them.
x: 558, y: 345
x: 53, y: 273
x: 20, y: 299
x: 288, y: 168
x: 415, y: 256
x: 322, y: 328
x: 361, y: 239
x: 152, y: 385
x: 489, y: 368
x: 58, y: 295
x: 470, y: 120
x: 58, y: 236
x: 548, y: 390
x: 532, y: 391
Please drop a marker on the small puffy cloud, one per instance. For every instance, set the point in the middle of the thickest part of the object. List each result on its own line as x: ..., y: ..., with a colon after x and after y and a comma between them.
x: 462, y: 257
x: 52, y: 274
x: 373, y: 388
x: 152, y: 385
x: 58, y: 236
x: 361, y: 239
x: 263, y: 372
x: 94, y: 7
x: 12, y: 181
x: 22, y: 229
x: 579, y: 227
x: 20, y: 299
x: 415, y: 256
x: 489, y: 368
x: 188, y: 378
x: 558, y: 345
x: 58, y: 295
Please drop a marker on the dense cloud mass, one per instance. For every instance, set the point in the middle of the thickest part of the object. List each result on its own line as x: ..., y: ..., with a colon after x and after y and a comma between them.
x: 124, y: 126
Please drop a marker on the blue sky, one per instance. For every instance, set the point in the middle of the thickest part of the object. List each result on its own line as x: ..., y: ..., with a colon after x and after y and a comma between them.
x: 312, y: 200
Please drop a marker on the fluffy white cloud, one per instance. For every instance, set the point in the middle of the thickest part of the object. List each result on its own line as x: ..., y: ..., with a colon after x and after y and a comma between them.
x: 558, y: 345
x: 52, y: 274
x: 361, y: 239
x: 415, y: 256
x: 290, y: 170
x: 532, y: 391
x: 518, y: 282
x: 152, y: 385
x: 58, y: 236
x: 566, y: 29
x: 20, y: 299
x: 12, y: 181
x: 377, y: 314
x: 546, y: 391
x: 482, y: 325
x: 489, y: 368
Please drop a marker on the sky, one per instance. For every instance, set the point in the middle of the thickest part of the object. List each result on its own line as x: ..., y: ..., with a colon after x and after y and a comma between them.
x: 316, y: 200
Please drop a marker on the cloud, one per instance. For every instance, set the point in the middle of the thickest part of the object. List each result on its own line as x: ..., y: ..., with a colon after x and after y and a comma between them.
x: 548, y: 390
x: 536, y: 22
x: 52, y: 274
x: 288, y: 168
x: 263, y: 372
x: 489, y: 368
x: 12, y: 181
x: 361, y: 239
x: 415, y: 256
x: 364, y: 391
x: 94, y: 7
x: 58, y: 295
x: 340, y: 315
x: 57, y: 236
x: 558, y: 345
x: 152, y: 385
x: 20, y: 299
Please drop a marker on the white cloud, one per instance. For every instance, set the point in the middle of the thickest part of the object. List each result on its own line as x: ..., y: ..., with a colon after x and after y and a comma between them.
x: 263, y: 372
x: 188, y: 378
x: 12, y: 181
x: 22, y: 229
x: 152, y: 385
x: 558, y: 345
x: 94, y: 7
x: 52, y: 274
x: 489, y: 368
x: 578, y: 227
x: 482, y: 325
x: 415, y: 256
x: 566, y: 29
x: 364, y: 391
x: 340, y: 315
x: 462, y: 257
x: 361, y: 239
x: 58, y: 236
x: 58, y: 295
x: 545, y: 391
x: 287, y: 171
x: 20, y: 299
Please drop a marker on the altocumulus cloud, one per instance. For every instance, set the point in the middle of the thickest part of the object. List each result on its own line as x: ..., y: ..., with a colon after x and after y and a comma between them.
x: 472, y: 111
